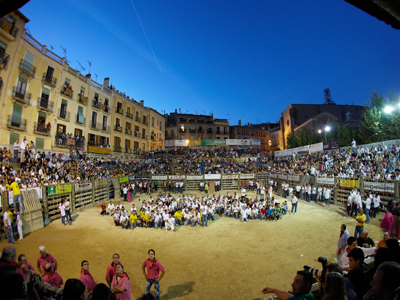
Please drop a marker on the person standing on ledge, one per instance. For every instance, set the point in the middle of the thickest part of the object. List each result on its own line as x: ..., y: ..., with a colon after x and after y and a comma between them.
x: 153, y: 275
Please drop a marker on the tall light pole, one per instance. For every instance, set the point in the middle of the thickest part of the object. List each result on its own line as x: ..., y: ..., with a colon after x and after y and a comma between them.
x: 327, y: 128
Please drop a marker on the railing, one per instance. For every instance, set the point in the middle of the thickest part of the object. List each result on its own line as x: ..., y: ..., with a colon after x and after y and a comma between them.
x: 93, y: 125
x: 82, y: 99
x: 45, y: 104
x: 33, y: 42
x: 4, y: 60
x: 182, y: 130
x: 104, y: 107
x: 16, y: 122
x: 128, y: 151
x: 80, y: 120
x: 137, y: 119
x: 129, y: 115
x: 41, y: 129
x: 192, y: 130
x: 105, y: 128
x: 119, y: 110
x: 95, y: 104
x: 67, y: 92
x: 209, y: 130
x: 128, y: 131
x: 153, y: 138
x: 53, y: 56
x: 95, y: 84
x: 63, y: 141
x: 137, y: 134
x: 200, y: 130
x: 83, y: 78
x: 64, y: 115
x: 107, y: 91
x: 27, y: 68
x: 52, y: 81
x: 118, y: 149
x: 21, y: 95
x: 8, y: 27
x: 118, y: 128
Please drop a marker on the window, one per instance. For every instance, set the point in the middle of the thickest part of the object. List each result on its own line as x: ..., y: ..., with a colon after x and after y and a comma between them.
x: 182, y: 137
x: 78, y: 132
x: 39, y: 143
x: 67, y: 81
x: 49, y: 73
x: 82, y: 90
x: 27, y: 63
x: 44, y: 100
x: 13, y: 137
x: 94, y: 119
x: 104, y: 122
x: 21, y: 87
x: 16, y: 115
x: 81, y: 118
x: 63, y: 110
x: 96, y: 96
x: 152, y: 122
x: 172, y: 133
x: 182, y: 127
x: 160, y: 126
x: 61, y: 129
x: 192, y: 137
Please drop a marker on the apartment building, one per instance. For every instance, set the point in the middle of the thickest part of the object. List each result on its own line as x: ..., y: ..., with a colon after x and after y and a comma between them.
x: 251, y: 131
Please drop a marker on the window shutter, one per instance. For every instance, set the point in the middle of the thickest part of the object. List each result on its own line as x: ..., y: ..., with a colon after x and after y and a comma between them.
x: 39, y: 143
x: 13, y: 137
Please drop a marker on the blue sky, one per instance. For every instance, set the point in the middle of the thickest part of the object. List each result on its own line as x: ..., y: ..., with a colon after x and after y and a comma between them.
x: 248, y: 59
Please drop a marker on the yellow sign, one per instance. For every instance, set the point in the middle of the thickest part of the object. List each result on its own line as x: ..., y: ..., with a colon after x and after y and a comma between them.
x: 156, y: 144
x: 350, y: 183
x: 62, y: 189
x: 102, y: 150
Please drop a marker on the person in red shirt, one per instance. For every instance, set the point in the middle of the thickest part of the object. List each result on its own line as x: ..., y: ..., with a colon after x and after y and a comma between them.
x: 121, y: 285
x: 112, y: 269
x: 22, y: 260
x: 263, y: 213
x: 43, y: 259
x: 103, y: 209
x: 153, y: 275
x: 86, y: 277
x: 52, y: 277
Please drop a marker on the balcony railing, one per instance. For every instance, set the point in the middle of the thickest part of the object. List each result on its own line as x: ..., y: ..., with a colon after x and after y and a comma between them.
x: 137, y: 134
x: 41, y: 128
x: 118, y: 149
x: 182, y: 130
x: 4, y: 60
x: 192, y: 130
x: 128, y: 131
x: 8, y: 27
x: 137, y: 119
x: 200, y: 130
x: 49, y: 80
x: 105, y: 128
x: 129, y: 115
x: 104, y: 107
x: 94, y: 125
x: 128, y: 151
x: 45, y: 105
x: 21, y: 95
x: 63, y: 141
x: 145, y: 122
x: 144, y: 136
x: 209, y: 130
x: 80, y: 120
x: 67, y: 92
x: 118, y: 128
x: 119, y: 110
x: 95, y: 104
x: 153, y: 138
x: 27, y: 68
x: 64, y: 115
x: 16, y: 122
x: 82, y: 99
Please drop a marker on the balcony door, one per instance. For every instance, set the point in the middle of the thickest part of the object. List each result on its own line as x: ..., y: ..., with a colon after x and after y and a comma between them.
x: 41, y: 122
x: 16, y: 115
x: 28, y: 61
x: 44, y: 100
x: 21, y: 88
x: 49, y: 73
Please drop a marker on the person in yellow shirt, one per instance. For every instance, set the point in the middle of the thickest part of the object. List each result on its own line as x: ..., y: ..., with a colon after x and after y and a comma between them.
x: 178, y: 217
x: 17, y: 195
x: 133, y: 220
x: 144, y: 218
x: 361, y: 218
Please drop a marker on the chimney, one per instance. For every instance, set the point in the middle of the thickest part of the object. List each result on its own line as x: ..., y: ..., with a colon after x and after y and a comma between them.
x: 142, y: 102
x: 179, y: 110
x: 240, y: 122
x: 176, y: 111
x: 88, y: 76
x: 106, y: 82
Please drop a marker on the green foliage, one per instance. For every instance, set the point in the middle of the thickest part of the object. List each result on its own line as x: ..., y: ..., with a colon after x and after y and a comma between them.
x: 345, y: 135
x: 291, y: 141
x: 305, y: 137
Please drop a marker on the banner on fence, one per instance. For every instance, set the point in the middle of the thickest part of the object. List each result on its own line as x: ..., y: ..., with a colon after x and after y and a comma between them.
x: 169, y: 143
x: 100, y: 182
x: 255, y: 142
x: 59, y: 189
x: 212, y: 176
x: 326, y: 180
x: 232, y: 142
x: 379, y: 186
x: 316, y: 147
x: 294, y: 177
x: 159, y: 177
x: 230, y: 176
x: 174, y: 177
x: 123, y: 179
x: 246, y: 176
x: 350, y: 183
x: 282, y: 176
x: 273, y: 175
x: 100, y: 150
x: 181, y: 143
x: 132, y: 177
x: 82, y: 187
x: 194, y: 177
x: 331, y: 145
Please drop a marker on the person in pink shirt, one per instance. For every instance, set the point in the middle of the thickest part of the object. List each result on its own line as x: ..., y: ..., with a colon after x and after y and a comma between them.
x: 22, y: 260
x: 121, y: 285
x: 86, y: 277
x: 52, y: 277
x: 153, y: 275
x: 43, y: 259
x: 112, y: 269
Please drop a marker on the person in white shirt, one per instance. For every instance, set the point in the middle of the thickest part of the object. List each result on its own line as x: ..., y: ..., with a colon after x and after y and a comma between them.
x: 314, y: 193
x: 327, y: 197
x: 243, y: 213
x: 367, y: 202
x: 294, y: 204
x: 377, y: 203
x: 196, y: 218
x: 349, y: 202
x: 61, y: 207
x: 110, y: 208
x: 351, y: 244
x: 204, y: 213
x: 319, y: 195
x: 125, y: 192
x: 243, y: 191
x: 8, y: 226
x: 298, y: 189
x: 170, y: 222
x: 117, y: 215
x: 16, y: 148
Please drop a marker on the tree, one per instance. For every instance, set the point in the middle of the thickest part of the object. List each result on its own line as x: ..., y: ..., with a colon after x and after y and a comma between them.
x: 291, y: 141
x: 344, y: 135
x: 305, y: 137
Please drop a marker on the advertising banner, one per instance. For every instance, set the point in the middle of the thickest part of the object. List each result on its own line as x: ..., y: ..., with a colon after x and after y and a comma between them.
x: 100, y: 182
x: 195, y: 142
x: 100, y: 150
x: 218, y: 142
x: 379, y: 186
x: 246, y: 176
x: 350, y: 183
x: 230, y: 176
x: 212, y: 176
x: 255, y: 142
x: 175, y: 177
x: 132, y: 177
x: 326, y: 180
x: 194, y: 177
x: 282, y: 176
x: 123, y: 179
x: 232, y: 142
x: 82, y: 187
x: 273, y: 175
x: 159, y: 177
x: 60, y: 189
x: 181, y: 143
x: 169, y: 143
x: 244, y: 142
x: 316, y: 147
x: 293, y: 177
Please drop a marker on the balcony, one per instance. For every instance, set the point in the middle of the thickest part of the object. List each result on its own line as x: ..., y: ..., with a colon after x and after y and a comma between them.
x: 105, y: 128
x: 43, y: 104
x: 80, y: 120
x: 137, y: 119
x: 118, y: 149
x: 27, y: 68
x: 119, y: 110
x: 200, y: 130
x: 4, y: 57
x: 49, y: 80
x: 182, y: 130
x: 9, y: 31
x: 21, y: 96
x: 63, y: 141
x: 63, y: 115
x: 94, y: 125
x: 128, y: 151
x: 129, y: 115
x: 16, y: 122
x: 192, y: 130
x: 145, y: 122
x: 82, y: 99
x: 152, y: 137
x: 128, y: 131
x: 118, y: 128
x: 137, y: 134
x: 144, y: 136
x: 209, y: 130
x: 95, y: 104
x: 105, y: 108
x: 41, y: 129
x: 67, y: 92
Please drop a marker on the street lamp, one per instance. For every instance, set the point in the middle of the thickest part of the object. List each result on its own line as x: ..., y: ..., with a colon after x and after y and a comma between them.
x: 327, y: 128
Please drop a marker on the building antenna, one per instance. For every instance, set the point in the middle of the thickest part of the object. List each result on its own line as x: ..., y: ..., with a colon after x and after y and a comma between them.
x: 95, y: 76
x: 82, y: 68
x: 90, y: 65
x: 27, y: 30
x: 65, y: 54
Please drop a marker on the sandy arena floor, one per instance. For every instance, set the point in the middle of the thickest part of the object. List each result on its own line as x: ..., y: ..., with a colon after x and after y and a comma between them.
x: 226, y: 260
